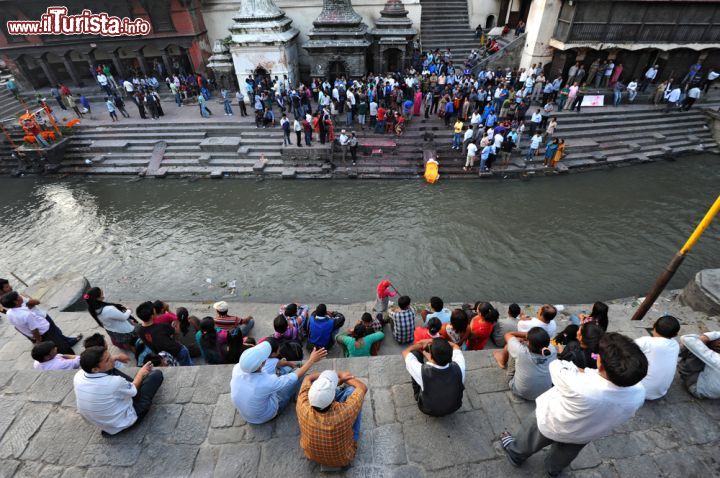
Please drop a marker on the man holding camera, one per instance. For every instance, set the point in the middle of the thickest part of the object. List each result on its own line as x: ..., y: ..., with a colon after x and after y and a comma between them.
x: 437, y: 368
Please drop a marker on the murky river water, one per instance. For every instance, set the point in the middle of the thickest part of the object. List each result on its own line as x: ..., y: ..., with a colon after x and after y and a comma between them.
x: 574, y: 239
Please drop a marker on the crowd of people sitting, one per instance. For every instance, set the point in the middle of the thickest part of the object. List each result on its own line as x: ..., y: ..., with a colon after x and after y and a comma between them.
x: 585, y: 379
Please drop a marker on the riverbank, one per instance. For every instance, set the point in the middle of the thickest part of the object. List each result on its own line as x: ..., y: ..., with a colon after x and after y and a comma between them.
x: 193, y: 429
x: 181, y: 144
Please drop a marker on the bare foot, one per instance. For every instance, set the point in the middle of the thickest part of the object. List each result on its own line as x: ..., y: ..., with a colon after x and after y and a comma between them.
x: 498, y: 354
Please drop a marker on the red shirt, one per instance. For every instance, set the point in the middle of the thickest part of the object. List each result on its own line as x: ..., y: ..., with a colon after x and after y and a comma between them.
x: 480, y: 332
x: 422, y: 333
x: 381, y: 114
x: 166, y: 318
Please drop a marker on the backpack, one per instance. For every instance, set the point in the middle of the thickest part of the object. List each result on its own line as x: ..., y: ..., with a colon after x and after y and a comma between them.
x: 291, y: 350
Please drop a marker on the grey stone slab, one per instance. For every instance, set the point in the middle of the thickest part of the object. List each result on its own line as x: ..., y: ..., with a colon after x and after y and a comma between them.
x: 237, y: 460
x: 477, y: 360
x: 407, y: 471
x: 682, y: 463
x: 220, y: 436
x: 204, y: 159
x: 24, y: 426
x: 210, y: 384
x: 485, y: 381
x: 428, y: 443
x: 205, y: 462
x: 259, y: 165
x: 158, y: 459
x: 387, y: 372
x: 293, y: 463
x: 51, y: 471
x: 286, y: 425
x: 192, y: 425
x: 617, y: 446
x: 8, y: 468
x: 46, y: 446
x: 223, y: 412
x: 29, y: 469
x: 689, y: 419
x: 107, y: 454
x: 216, y: 174
x: 51, y: 387
x: 402, y: 395
x: 388, y: 445
x: 588, y: 458
x: 499, y: 411
x: 289, y: 173
x: 260, y: 433
x: 175, y: 379
x: 22, y: 381
x: 105, y: 145
x: 220, y: 144
x: 637, y: 467
x: 73, y: 472
x: 162, y: 420
x: 605, y: 470
x: 356, y: 366
x: 13, y: 349
x: 110, y: 471
x: 9, y: 406
x: 382, y: 403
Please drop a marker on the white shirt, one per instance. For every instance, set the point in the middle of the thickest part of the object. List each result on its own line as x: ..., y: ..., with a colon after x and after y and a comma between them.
x: 536, y: 117
x: 632, y: 86
x: 255, y: 395
x: 414, y: 367
x: 534, y: 144
x: 662, y: 356
x: 583, y: 406
x: 102, y: 79
x: 708, y: 384
x: 343, y: 139
x: 526, y: 325
x: 373, y: 108
x: 468, y: 134
x: 694, y: 92
x: 105, y: 400
x: 674, y: 95
x: 651, y: 74
x: 58, y: 362
x: 498, y: 139
x: 472, y: 149
x: 26, y: 320
x: 129, y: 86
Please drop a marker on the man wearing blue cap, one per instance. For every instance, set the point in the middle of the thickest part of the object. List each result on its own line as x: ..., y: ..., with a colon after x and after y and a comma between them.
x: 257, y: 392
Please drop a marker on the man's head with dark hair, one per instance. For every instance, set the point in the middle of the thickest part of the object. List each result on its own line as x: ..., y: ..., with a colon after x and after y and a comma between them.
x: 158, y: 306
x: 280, y: 324
x: 514, y: 311
x: 459, y: 320
x: 622, y: 360
x: 91, y: 358
x: 95, y: 340
x: 10, y: 300
x: 145, y: 311
x: 436, y: 303
x: 367, y: 318
x: 291, y: 310
x: 274, y: 345
x: 5, y: 286
x: 538, y: 339
x: 321, y: 310
x: 441, y: 352
x: 434, y: 325
x: 404, y: 302
x: 547, y: 313
x: 667, y: 326
x: 43, y: 351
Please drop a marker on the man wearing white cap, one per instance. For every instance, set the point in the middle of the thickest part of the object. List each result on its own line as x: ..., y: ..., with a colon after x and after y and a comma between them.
x: 229, y: 322
x: 329, y: 416
x: 257, y: 392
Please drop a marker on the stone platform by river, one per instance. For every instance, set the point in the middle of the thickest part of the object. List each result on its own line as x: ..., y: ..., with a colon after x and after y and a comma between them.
x: 194, y: 430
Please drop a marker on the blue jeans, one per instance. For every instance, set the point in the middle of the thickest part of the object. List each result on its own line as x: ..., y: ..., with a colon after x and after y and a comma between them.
x: 575, y: 320
x: 183, y: 357
x: 285, y: 395
x: 457, y: 140
x: 341, y: 395
x: 246, y: 328
x: 348, y: 118
x: 204, y: 112
x: 617, y: 98
x: 531, y: 152
x: 226, y: 105
x: 178, y: 99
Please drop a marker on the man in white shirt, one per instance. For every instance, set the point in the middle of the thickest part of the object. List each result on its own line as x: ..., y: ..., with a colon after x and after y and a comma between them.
x: 700, y: 364
x: 257, y: 392
x: 692, y: 96
x: 34, y: 323
x: 672, y: 98
x: 583, y: 405
x: 632, y: 90
x: 545, y: 320
x: 471, y: 154
x: 107, y: 397
x: 650, y: 76
x: 437, y: 368
x: 662, y: 352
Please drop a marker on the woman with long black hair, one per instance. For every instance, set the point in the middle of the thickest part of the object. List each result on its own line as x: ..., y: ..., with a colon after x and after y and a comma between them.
x: 212, y: 342
x: 114, y: 318
x: 186, y: 327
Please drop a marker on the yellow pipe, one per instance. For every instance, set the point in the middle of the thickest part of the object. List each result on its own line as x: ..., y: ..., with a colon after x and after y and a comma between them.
x: 712, y: 212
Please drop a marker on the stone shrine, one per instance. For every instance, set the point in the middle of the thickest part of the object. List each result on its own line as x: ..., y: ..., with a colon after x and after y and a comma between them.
x: 338, y: 44
x: 263, y: 42
x: 392, y: 38
x: 221, y: 64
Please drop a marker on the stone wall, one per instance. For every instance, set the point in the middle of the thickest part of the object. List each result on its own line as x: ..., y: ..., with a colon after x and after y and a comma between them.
x: 480, y: 10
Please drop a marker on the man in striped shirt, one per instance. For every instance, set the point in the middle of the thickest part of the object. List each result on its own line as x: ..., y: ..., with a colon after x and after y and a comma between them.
x: 224, y: 321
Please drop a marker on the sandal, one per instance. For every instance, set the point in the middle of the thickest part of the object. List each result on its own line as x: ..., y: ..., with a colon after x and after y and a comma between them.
x: 505, y: 440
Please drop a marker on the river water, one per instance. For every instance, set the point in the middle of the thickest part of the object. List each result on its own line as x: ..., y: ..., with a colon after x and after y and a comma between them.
x: 573, y: 239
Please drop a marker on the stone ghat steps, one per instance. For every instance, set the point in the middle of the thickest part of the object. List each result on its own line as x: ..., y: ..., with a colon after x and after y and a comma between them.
x: 9, y: 106
x: 445, y: 24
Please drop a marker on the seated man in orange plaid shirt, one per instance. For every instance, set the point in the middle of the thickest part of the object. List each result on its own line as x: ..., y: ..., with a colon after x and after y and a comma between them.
x: 329, y: 417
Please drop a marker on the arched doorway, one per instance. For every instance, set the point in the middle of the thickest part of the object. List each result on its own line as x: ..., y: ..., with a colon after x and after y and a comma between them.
x: 336, y: 69
x: 490, y: 22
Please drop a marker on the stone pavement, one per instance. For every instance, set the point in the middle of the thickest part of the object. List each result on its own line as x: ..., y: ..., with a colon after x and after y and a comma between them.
x: 193, y: 429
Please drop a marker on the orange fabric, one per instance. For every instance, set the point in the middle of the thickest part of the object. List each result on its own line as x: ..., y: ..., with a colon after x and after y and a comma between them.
x: 480, y: 332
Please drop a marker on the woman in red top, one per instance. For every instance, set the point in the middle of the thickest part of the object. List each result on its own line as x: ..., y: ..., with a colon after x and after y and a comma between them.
x: 481, y: 326
x: 429, y: 331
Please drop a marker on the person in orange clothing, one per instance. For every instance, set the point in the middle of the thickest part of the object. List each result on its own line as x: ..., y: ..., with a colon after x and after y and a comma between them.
x: 429, y: 331
x: 481, y: 326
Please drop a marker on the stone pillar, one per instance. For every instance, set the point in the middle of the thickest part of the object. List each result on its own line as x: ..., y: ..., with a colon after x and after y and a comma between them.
x: 142, y: 62
x: 70, y: 67
x: 541, y: 23
x: 25, y: 72
x: 49, y: 72
x: 91, y: 61
x: 167, y: 62
x: 118, y: 64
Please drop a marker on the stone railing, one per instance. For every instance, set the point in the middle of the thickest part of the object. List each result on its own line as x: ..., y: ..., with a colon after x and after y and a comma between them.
x: 499, y: 54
